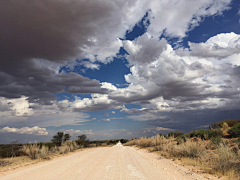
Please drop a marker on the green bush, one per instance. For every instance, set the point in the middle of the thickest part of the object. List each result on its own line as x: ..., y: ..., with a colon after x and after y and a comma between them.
x: 47, y: 144
x: 80, y: 142
x: 202, y: 133
x: 217, y: 133
x: 234, y: 131
x: 123, y: 141
x: 175, y: 134
x: 8, y: 150
x: 230, y: 123
x: 239, y: 139
x: 182, y: 138
x: 216, y: 140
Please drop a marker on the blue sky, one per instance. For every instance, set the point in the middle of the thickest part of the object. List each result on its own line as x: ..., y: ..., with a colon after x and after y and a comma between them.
x: 117, y: 69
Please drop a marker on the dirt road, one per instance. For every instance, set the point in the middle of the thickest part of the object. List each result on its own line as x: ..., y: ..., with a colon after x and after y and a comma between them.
x: 118, y: 162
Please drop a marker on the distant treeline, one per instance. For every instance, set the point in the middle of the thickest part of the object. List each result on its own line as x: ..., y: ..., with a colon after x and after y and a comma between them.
x: 14, y: 149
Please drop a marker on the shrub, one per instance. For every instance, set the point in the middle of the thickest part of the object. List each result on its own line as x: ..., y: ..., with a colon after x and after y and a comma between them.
x: 216, y: 140
x: 75, y: 146
x: 225, y: 126
x: 230, y: 123
x: 31, y: 150
x: 175, y: 134
x: 10, y: 150
x: 43, y: 152
x: 182, y: 138
x: 144, y: 142
x: 130, y: 143
x: 201, y: 132
x: 217, y: 133
x: 123, y: 141
x: 47, y: 144
x: 190, y: 149
x: 234, y: 131
x: 80, y: 142
x: 64, y: 148
x: 54, y: 149
x: 92, y: 145
x: 224, y: 161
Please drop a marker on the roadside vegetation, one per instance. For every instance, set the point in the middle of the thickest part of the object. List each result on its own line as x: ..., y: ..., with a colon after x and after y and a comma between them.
x: 215, y: 151
x: 15, y: 155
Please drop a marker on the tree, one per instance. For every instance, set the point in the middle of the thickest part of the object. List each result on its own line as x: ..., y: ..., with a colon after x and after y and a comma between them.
x: 66, y: 137
x: 60, y: 137
x: 82, y: 140
x: 82, y: 137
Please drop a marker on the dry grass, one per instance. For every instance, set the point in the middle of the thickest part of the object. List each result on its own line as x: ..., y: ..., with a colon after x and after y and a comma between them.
x: 34, y: 151
x: 192, y: 149
x: 35, y: 154
x: 226, y: 162
x: 43, y: 152
x: 197, y: 152
x: 17, y: 162
x: 225, y: 126
x: 31, y: 150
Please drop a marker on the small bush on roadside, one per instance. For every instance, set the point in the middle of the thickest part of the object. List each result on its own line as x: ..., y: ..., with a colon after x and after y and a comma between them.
x: 234, y: 131
x: 54, y: 149
x: 43, y: 152
x: 190, y: 149
x: 75, y: 146
x: 224, y: 162
x: 31, y: 150
x: 64, y: 148
x: 80, y: 142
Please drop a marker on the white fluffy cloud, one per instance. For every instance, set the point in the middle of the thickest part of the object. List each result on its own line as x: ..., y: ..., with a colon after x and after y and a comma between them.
x: 219, y: 46
x: 175, y: 17
x: 144, y: 49
x: 97, y: 102
x: 15, y: 107
x: 182, y: 79
x: 36, y: 130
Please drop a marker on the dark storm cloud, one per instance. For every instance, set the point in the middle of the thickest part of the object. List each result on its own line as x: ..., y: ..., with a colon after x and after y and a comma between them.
x: 190, y: 120
x: 44, y: 83
x: 52, y: 30
x: 185, y: 90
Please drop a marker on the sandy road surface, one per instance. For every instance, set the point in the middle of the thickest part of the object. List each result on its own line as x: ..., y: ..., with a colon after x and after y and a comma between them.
x: 118, y: 162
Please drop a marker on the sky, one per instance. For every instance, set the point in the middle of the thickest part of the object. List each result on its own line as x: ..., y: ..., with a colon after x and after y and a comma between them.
x: 116, y: 69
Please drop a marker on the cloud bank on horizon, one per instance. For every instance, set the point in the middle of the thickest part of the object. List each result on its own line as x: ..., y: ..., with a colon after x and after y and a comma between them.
x: 180, y: 67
